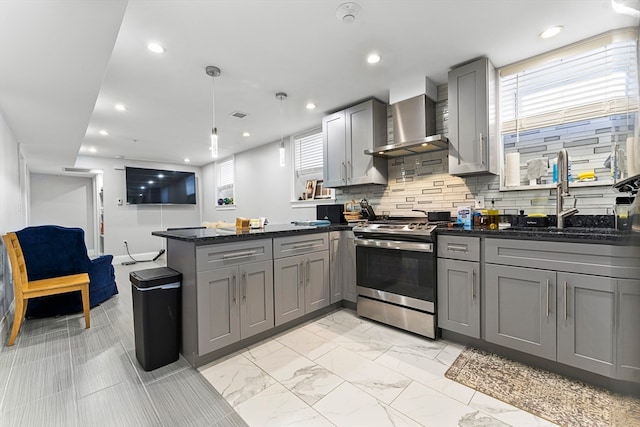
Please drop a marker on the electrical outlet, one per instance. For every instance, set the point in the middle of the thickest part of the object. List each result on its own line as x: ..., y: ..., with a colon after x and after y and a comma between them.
x: 479, y: 200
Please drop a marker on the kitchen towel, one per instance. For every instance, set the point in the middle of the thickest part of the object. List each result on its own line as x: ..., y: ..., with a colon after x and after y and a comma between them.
x: 536, y: 168
x: 512, y: 170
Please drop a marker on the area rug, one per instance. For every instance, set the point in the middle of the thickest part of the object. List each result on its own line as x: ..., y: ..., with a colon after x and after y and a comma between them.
x: 548, y: 395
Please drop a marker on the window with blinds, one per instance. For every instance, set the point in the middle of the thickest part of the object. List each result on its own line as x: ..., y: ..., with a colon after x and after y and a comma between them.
x: 588, y: 84
x: 583, y: 98
x: 308, y: 154
x: 225, y: 180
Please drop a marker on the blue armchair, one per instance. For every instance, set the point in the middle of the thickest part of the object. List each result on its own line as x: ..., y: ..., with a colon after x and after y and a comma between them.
x: 51, y: 250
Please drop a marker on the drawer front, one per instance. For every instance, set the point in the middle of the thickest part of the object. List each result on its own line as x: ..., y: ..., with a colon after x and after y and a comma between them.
x: 298, y: 245
x: 228, y: 254
x: 457, y: 247
x: 596, y: 259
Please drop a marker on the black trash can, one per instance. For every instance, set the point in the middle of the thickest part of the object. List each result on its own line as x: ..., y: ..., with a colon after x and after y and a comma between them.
x: 156, y: 316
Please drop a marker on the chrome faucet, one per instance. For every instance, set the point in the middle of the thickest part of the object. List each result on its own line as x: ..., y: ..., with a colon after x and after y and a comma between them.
x: 562, y: 188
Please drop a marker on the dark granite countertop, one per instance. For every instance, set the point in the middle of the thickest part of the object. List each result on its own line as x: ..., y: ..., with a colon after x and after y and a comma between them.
x: 201, y: 236
x: 608, y: 236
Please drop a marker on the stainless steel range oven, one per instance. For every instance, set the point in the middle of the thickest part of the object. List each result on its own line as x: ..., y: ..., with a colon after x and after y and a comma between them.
x: 396, y: 274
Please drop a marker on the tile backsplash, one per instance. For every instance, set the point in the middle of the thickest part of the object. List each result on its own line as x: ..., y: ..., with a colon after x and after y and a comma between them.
x: 422, y: 181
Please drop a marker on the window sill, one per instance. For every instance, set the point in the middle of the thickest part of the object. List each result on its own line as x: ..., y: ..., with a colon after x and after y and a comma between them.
x: 225, y: 207
x: 576, y: 184
x: 296, y: 204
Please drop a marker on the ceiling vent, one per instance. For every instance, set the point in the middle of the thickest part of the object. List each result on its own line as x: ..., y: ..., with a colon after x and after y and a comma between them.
x: 238, y: 115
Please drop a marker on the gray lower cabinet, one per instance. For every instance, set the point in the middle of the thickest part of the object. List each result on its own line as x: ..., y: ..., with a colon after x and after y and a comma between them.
x: 301, y: 282
x: 520, y: 309
x: 459, y: 284
x: 342, y: 266
x: 628, y: 337
x: 459, y: 296
x: 587, y: 322
x: 234, y: 303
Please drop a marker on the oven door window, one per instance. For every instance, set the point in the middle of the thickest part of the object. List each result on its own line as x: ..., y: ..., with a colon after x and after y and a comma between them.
x: 400, y: 272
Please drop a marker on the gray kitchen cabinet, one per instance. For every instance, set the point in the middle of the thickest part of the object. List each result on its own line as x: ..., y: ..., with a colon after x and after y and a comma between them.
x: 234, y: 293
x: 520, y: 309
x: 301, y: 275
x: 346, y: 136
x: 459, y: 284
x: 459, y: 296
x: 587, y: 322
x: 342, y: 266
x: 473, y: 141
x: 628, y: 337
x: 234, y: 303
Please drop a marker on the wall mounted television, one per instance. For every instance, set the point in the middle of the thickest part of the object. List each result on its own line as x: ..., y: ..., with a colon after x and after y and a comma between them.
x: 159, y: 187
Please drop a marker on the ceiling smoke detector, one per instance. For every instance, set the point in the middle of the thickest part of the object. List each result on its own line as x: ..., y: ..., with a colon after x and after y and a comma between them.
x: 347, y: 12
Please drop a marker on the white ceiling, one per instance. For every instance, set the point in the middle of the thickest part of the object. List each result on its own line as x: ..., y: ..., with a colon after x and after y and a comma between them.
x: 65, y: 63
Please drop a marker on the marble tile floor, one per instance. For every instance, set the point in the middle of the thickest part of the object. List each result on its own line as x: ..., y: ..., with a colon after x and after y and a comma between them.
x: 337, y: 370
x: 343, y: 370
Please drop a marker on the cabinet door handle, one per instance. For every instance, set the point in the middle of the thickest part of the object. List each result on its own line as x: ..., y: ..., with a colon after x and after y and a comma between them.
x: 234, y: 279
x: 473, y: 283
x: 457, y: 248
x: 244, y: 286
x: 308, y: 269
x: 302, y: 245
x: 547, y: 297
x: 481, y: 149
x: 301, y: 273
x: 565, y: 300
x: 349, y: 171
x: 343, y: 172
x: 238, y: 255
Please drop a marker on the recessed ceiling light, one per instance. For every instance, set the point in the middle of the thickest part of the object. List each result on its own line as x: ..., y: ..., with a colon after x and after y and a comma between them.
x: 246, y: 134
x: 120, y: 107
x: 550, y: 32
x: 187, y: 160
x: 92, y: 149
x: 311, y: 106
x: 155, y: 48
x: 103, y: 132
x: 373, y: 58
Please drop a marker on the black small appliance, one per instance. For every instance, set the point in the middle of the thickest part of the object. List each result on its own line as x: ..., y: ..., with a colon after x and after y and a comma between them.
x: 333, y: 213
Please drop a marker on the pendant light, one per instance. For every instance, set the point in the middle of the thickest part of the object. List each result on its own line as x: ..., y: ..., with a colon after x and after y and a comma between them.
x: 281, y: 96
x: 213, y: 72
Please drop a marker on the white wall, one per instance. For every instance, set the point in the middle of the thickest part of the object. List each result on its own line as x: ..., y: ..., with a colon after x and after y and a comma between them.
x: 262, y: 188
x: 64, y: 200
x: 12, y: 211
x: 134, y: 223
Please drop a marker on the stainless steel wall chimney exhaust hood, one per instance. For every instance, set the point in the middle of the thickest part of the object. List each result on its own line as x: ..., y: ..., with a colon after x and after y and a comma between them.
x: 414, y: 125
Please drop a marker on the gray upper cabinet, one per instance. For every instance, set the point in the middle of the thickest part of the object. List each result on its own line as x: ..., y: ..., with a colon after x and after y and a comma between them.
x: 520, y: 309
x: 346, y: 136
x: 473, y: 145
x: 586, y: 322
x: 628, y: 337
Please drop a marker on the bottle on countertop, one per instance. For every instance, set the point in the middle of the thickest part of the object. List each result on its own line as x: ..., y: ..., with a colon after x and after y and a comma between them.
x: 494, y: 216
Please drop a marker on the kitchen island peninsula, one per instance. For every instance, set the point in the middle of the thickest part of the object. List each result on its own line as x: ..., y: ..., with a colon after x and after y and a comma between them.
x: 241, y: 286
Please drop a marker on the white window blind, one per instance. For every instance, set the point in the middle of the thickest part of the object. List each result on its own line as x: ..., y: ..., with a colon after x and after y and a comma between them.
x: 577, y: 85
x: 225, y: 178
x: 308, y: 154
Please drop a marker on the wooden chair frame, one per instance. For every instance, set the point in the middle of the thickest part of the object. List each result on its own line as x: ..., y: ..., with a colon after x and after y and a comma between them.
x: 25, y: 289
